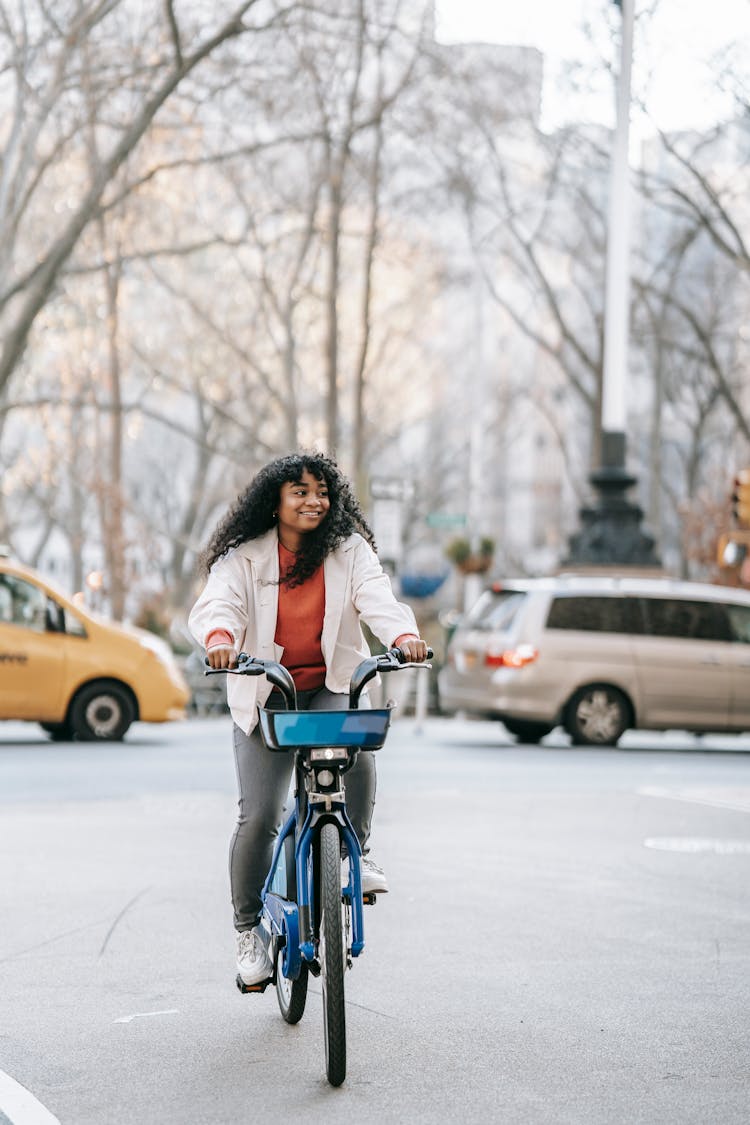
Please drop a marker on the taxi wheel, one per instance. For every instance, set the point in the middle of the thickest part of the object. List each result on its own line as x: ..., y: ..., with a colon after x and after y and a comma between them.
x: 101, y: 712
x: 58, y: 732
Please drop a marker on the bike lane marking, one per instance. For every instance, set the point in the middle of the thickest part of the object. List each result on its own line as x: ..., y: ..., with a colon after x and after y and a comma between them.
x: 20, y: 1106
x: 695, y: 845
x: 736, y: 797
x: 142, y: 1015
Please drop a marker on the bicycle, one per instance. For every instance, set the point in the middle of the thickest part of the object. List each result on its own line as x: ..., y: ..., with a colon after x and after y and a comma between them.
x: 312, y: 905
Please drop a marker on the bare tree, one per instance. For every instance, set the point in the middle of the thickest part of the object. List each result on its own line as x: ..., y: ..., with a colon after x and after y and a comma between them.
x: 692, y: 284
x: 356, y: 61
x: 45, y: 52
x: 704, y: 180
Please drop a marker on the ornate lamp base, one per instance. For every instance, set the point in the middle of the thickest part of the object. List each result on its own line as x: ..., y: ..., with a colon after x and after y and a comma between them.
x: 611, y: 534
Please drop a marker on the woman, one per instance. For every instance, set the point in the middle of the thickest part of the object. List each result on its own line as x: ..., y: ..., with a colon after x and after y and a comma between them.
x: 291, y: 571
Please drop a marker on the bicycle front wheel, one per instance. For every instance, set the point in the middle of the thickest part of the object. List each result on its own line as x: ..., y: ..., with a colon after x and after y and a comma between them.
x: 331, y: 954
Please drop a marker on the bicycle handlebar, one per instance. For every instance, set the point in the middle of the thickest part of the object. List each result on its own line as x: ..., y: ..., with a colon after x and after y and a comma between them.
x: 391, y: 661
x: 274, y: 672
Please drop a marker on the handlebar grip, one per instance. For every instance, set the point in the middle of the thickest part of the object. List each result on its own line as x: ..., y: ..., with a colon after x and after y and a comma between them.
x: 398, y: 653
x: 245, y: 666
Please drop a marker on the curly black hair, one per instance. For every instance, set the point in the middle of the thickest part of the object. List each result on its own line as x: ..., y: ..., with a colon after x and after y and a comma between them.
x: 253, y: 513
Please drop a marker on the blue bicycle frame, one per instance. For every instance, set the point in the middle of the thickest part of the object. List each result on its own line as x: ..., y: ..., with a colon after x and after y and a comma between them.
x: 321, y: 740
x: 292, y: 921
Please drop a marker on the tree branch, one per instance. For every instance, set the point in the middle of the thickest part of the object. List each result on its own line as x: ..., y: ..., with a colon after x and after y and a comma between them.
x: 61, y: 249
x: 174, y: 31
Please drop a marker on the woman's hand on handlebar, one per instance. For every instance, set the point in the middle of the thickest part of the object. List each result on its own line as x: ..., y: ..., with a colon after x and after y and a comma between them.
x: 219, y: 657
x: 414, y: 649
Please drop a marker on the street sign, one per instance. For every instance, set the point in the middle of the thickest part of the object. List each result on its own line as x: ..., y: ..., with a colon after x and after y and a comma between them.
x: 387, y: 527
x: 445, y: 519
x: 390, y: 488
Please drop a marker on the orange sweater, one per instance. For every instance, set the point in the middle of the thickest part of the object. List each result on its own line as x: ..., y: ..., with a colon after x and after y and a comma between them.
x: 299, y: 625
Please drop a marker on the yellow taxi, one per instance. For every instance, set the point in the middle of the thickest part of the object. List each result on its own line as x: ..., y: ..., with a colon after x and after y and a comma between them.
x: 74, y: 673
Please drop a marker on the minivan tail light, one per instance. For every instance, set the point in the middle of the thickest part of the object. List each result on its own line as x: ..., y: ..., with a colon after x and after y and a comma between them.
x: 511, y: 657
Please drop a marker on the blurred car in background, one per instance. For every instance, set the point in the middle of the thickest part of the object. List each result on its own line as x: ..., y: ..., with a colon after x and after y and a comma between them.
x: 601, y: 655
x: 74, y: 673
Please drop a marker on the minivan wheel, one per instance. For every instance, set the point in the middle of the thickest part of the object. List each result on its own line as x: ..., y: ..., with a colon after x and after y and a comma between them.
x: 597, y: 715
x: 101, y: 713
x: 526, y: 730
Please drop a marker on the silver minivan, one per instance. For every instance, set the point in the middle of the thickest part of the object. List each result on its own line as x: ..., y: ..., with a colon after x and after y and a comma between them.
x: 601, y: 655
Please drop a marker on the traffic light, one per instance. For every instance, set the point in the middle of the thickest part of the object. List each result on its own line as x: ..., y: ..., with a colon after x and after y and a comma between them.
x: 731, y: 550
x: 741, y: 498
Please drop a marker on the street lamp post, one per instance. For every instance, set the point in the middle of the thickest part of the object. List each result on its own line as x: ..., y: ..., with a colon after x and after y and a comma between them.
x: 617, y: 285
x: 611, y: 532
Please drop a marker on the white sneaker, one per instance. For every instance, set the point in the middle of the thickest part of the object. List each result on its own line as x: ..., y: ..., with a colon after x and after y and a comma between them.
x: 373, y: 878
x: 253, y: 962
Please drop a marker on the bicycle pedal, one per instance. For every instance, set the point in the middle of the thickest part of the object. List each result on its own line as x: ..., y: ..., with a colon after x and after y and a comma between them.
x: 261, y: 986
x: 369, y: 899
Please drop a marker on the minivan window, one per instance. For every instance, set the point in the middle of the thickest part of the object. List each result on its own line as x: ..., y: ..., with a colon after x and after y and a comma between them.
x: 739, y: 623
x: 698, y: 621
x: 595, y: 614
x: 495, y: 609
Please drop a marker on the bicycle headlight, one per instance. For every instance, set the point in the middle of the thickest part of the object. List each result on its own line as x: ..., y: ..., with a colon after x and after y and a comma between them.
x: 329, y: 754
x: 325, y: 777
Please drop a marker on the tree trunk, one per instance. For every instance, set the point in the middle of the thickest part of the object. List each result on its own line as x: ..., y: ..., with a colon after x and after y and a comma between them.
x: 358, y: 436
x: 332, y: 311
x: 76, y: 535
x: 113, y: 526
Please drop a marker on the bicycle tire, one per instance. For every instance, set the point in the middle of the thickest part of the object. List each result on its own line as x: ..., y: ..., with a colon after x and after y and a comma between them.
x: 331, y: 954
x: 291, y: 994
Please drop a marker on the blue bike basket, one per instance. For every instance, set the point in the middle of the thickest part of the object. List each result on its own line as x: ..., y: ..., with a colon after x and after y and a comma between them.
x: 286, y: 730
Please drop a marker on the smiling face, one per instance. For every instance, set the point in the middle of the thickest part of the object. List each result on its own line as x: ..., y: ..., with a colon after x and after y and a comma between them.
x: 303, y: 505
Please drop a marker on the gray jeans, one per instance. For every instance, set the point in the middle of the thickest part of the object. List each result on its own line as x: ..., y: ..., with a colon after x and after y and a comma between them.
x: 263, y: 778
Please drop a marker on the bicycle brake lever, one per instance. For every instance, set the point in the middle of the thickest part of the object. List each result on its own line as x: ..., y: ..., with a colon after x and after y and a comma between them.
x: 245, y: 667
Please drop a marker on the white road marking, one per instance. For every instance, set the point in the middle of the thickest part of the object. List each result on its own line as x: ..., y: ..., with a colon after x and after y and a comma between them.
x: 696, y: 844
x: 20, y: 1106
x: 141, y: 1015
x: 735, y: 797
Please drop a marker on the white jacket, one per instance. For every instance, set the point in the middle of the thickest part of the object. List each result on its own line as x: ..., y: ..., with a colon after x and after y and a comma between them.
x: 242, y: 596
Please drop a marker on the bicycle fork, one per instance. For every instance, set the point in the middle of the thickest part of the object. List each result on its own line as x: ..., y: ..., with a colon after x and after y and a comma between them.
x: 330, y: 807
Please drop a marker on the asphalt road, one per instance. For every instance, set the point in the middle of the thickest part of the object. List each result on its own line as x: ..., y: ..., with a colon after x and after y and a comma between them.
x: 566, y: 939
